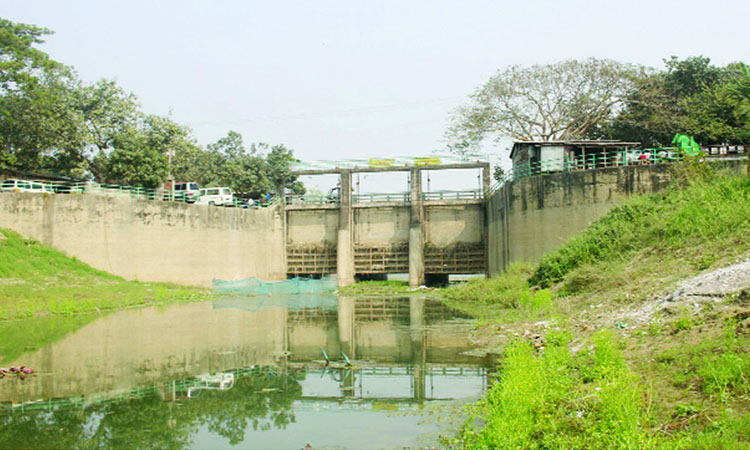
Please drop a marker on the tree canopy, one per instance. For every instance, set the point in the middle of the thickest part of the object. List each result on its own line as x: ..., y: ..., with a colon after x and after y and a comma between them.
x: 595, y: 99
x: 690, y: 96
x: 52, y: 122
x: 565, y: 100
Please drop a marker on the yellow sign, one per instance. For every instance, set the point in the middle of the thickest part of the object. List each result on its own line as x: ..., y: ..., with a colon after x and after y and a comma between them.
x: 381, y: 162
x: 427, y: 161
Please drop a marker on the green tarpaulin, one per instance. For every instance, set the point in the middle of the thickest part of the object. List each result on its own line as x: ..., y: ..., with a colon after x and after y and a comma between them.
x: 686, y: 144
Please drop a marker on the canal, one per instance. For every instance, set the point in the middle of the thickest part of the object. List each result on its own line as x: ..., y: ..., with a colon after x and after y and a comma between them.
x: 259, y: 372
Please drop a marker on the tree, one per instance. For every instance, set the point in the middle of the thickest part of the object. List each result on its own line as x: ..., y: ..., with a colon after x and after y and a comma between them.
x: 106, y: 111
x: 37, y: 124
x: 692, y: 97
x: 21, y: 65
x: 253, y: 170
x: 135, y: 162
x: 280, y: 160
x: 557, y: 101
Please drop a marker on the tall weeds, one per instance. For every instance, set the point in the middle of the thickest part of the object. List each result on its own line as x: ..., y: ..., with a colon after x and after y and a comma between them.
x: 559, y: 400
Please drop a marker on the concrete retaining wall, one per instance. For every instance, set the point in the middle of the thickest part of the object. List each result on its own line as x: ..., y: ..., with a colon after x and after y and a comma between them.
x: 153, y: 241
x: 532, y: 216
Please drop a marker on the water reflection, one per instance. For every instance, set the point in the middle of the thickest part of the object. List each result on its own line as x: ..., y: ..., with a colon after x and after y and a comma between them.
x: 209, y: 375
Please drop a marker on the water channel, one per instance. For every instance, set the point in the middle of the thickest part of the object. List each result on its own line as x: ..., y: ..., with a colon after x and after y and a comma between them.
x: 260, y: 372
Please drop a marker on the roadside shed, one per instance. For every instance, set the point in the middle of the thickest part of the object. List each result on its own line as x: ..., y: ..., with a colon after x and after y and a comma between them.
x: 555, y: 156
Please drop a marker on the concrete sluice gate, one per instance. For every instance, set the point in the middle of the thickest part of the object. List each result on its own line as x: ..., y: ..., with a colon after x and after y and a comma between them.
x: 430, y: 239
x: 417, y: 234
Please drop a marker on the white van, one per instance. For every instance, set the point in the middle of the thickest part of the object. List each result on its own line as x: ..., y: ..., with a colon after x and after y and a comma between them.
x: 13, y: 185
x: 216, y: 196
x: 187, y: 191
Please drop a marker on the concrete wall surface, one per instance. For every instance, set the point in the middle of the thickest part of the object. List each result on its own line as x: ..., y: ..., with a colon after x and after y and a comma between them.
x: 532, y: 216
x: 153, y: 241
x: 381, y: 226
x: 316, y: 227
x: 449, y: 225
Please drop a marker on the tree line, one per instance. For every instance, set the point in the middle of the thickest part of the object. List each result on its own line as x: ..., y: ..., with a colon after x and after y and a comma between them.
x: 605, y: 99
x: 53, y: 123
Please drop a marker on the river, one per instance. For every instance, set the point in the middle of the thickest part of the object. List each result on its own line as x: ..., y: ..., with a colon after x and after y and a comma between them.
x: 258, y: 372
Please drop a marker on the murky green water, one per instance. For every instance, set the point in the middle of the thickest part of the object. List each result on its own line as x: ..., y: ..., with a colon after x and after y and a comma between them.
x: 239, y: 373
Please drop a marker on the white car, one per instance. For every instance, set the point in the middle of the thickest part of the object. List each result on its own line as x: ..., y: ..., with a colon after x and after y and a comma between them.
x: 218, y: 196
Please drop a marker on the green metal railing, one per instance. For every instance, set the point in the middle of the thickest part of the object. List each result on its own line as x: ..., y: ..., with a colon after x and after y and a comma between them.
x: 471, y: 194
x: 662, y: 155
x: 118, y: 396
x: 309, y: 199
x: 402, y: 197
x: 91, y: 188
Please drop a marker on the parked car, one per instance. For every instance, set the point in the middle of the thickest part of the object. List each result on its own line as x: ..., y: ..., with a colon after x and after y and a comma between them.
x: 218, y: 196
x: 189, y: 191
x: 14, y: 185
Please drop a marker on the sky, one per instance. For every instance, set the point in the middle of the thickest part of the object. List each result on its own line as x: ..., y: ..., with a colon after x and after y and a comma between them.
x: 352, y: 79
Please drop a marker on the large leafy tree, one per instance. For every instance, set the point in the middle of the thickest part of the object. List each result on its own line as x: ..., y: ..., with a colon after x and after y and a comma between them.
x: 565, y: 100
x: 254, y: 170
x: 106, y: 112
x: 50, y: 121
x: 134, y: 161
x: 37, y: 124
x: 690, y: 96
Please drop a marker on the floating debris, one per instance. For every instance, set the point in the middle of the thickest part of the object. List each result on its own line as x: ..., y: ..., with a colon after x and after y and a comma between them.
x: 20, y: 371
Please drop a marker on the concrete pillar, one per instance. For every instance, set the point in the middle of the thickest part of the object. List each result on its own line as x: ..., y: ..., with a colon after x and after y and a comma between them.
x: 344, y: 245
x: 486, y: 185
x: 416, y: 234
x: 419, y: 357
x: 281, y: 193
x: 346, y: 326
x: 486, y: 181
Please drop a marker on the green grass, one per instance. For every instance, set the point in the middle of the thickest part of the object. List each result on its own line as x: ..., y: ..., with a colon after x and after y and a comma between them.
x: 678, y: 382
x: 377, y: 288
x: 36, y: 280
x: 702, y: 222
x: 503, y: 298
x: 554, y: 399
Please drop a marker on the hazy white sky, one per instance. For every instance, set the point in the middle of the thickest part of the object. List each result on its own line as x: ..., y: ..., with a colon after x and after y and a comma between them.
x: 353, y: 79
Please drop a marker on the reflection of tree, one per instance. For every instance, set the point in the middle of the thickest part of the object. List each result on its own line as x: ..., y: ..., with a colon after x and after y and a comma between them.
x: 263, y: 400
x: 55, y: 429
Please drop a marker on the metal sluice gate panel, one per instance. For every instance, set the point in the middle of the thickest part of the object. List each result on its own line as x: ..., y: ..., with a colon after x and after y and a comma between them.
x: 467, y: 259
x: 310, y: 260
x: 390, y: 259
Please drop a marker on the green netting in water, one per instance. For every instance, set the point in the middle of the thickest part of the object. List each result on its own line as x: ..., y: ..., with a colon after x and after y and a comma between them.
x: 294, y: 302
x: 255, y: 286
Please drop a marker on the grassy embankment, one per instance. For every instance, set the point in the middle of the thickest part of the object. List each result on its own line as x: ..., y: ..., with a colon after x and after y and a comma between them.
x: 600, y: 379
x: 36, y: 280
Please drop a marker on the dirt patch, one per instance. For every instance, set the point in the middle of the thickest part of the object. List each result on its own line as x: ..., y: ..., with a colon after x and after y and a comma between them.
x: 691, y: 296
